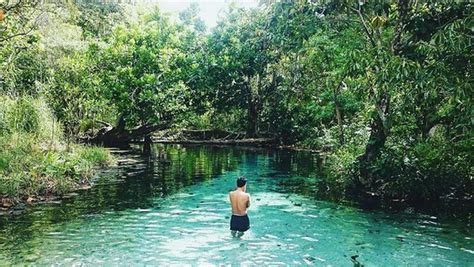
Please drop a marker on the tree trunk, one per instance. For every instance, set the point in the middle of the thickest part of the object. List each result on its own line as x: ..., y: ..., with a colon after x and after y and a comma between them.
x: 147, y: 145
x: 378, y: 136
x: 119, y: 136
x: 340, y: 123
x: 339, y: 115
x: 252, y: 109
x: 379, y: 128
x: 252, y: 129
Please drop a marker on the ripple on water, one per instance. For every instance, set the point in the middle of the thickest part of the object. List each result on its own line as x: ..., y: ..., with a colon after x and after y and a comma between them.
x: 189, y: 226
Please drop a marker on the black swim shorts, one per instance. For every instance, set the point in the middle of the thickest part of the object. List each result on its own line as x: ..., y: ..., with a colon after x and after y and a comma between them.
x: 239, y: 223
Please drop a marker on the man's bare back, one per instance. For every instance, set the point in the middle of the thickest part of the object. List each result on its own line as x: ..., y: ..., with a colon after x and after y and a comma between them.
x: 240, y: 202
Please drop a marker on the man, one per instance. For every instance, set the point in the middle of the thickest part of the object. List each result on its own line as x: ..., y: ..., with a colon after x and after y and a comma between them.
x: 240, y: 201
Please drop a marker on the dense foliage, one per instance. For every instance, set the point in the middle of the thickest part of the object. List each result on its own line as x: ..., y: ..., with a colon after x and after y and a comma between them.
x: 384, y: 87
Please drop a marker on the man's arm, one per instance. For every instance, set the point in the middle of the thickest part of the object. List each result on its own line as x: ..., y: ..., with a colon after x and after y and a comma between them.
x: 248, y: 201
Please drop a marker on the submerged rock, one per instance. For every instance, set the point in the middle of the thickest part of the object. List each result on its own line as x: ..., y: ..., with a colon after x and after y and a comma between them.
x: 30, y: 200
x: 70, y: 195
x: 7, y: 203
x: 355, y: 261
x: 309, y: 259
x: 85, y: 187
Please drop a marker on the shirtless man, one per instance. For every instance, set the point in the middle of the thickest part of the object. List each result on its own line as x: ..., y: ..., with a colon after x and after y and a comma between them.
x: 240, y: 201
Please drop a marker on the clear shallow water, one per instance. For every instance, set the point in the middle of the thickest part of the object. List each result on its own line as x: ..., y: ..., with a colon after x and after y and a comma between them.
x: 173, y: 210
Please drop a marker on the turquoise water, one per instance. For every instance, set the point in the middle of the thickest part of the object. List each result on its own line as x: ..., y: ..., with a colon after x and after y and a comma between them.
x: 172, y: 209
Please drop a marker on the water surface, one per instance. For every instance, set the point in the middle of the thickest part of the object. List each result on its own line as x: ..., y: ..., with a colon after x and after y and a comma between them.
x: 172, y: 209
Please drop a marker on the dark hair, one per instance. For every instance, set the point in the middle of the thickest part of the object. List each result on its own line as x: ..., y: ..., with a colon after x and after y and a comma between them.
x: 241, y: 181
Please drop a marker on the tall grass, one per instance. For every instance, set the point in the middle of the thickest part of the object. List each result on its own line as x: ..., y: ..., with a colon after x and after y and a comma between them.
x: 34, y: 159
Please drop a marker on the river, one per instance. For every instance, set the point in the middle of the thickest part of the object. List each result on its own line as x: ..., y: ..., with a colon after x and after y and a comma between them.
x: 172, y: 209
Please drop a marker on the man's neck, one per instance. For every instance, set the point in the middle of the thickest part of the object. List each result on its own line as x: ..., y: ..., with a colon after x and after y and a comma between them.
x: 241, y: 189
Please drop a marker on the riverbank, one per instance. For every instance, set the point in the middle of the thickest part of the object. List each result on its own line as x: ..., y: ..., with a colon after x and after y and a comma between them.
x: 37, y: 163
x: 31, y: 174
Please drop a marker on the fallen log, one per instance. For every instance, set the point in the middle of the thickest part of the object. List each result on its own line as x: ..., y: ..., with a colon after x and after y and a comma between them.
x: 119, y: 136
x: 207, y: 134
x: 211, y: 134
x: 248, y: 141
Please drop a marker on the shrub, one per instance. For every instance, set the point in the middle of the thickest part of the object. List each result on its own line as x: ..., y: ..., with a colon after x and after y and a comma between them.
x: 23, y: 116
x: 33, y: 158
x: 430, y: 170
x: 95, y: 155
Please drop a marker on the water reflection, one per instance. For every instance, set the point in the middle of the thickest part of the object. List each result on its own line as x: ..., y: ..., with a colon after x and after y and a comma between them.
x: 171, y: 207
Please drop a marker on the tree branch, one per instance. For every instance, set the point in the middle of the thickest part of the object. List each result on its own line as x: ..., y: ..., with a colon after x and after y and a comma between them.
x: 403, y: 7
x: 23, y: 33
x: 8, y: 8
x: 369, y: 33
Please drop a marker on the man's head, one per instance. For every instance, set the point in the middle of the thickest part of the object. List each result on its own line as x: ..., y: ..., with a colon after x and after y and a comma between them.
x: 241, y: 182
